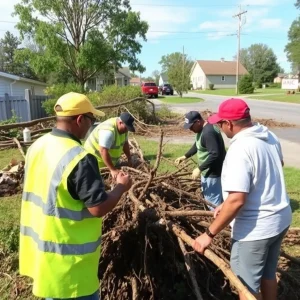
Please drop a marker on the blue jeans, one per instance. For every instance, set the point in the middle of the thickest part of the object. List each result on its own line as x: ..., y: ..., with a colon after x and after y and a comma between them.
x: 94, y: 296
x: 212, y: 190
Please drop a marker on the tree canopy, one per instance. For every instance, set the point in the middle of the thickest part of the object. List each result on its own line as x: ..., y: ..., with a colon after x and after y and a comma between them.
x: 293, y: 47
x: 9, y: 46
x: 177, y: 66
x: 261, y: 62
x: 82, y: 37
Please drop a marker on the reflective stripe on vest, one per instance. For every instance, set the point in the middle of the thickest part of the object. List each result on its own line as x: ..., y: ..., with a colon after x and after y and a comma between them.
x: 49, y: 208
x: 116, y: 149
x: 59, y: 248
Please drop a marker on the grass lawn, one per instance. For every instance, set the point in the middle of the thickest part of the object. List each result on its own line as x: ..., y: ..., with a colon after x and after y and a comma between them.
x: 231, y: 92
x: 281, y: 98
x: 175, y: 99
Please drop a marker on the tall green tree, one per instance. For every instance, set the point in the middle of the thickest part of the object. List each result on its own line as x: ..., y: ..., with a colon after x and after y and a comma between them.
x: 177, y: 66
x: 292, y: 49
x: 82, y: 36
x: 8, y: 44
x: 9, y: 47
x: 261, y: 62
x: 155, y: 75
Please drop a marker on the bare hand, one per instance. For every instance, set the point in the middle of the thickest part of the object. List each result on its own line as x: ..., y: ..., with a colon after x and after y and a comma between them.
x: 125, y: 180
x: 217, y: 210
x: 114, y: 173
x: 202, y: 242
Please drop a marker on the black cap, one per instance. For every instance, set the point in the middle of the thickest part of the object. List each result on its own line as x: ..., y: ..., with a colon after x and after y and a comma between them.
x: 190, y: 118
x: 128, y: 120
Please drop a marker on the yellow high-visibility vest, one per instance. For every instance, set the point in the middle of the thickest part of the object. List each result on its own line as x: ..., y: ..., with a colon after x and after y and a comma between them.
x: 116, y: 150
x: 59, y: 238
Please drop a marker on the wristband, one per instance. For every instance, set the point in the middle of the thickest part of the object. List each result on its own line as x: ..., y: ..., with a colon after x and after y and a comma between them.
x: 207, y: 231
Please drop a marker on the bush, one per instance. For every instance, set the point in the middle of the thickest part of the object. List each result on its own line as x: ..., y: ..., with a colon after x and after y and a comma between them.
x: 245, y: 85
x: 258, y: 85
x: 275, y: 85
x: 114, y: 94
x: 211, y: 86
x: 15, y: 131
x: 57, y: 90
x: 109, y: 95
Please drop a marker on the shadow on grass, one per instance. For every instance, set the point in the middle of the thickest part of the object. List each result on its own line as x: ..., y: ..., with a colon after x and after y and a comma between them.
x: 295, y: 205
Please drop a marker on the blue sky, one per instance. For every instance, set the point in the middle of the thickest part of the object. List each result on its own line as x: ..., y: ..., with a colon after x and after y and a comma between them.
x: 206, y: 29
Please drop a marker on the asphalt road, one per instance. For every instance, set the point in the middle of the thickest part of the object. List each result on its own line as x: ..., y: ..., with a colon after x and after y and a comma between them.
x: 279, y: 111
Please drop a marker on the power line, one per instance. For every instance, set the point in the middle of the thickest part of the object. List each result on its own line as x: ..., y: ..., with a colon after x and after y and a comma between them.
x: 178, y: 5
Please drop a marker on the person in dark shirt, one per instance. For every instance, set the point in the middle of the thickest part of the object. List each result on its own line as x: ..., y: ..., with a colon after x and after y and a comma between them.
x: 210, y: 149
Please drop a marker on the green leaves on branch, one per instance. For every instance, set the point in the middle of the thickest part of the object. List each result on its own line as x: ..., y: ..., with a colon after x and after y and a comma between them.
x: 82, y: 37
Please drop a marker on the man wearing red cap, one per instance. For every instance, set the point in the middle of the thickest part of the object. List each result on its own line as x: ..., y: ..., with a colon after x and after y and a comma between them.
x: 255, y: 200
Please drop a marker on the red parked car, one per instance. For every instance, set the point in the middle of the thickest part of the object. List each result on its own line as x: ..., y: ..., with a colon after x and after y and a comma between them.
x: 150, y: 89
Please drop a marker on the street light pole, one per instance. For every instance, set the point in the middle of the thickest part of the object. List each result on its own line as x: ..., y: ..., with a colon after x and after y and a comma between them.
x: 239, y: 15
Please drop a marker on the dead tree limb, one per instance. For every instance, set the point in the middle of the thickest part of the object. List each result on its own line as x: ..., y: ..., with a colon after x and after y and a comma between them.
x: 216, y: 260
x: 153, y: 171
x: 189, y: 213
x: 190, y: 269
x: 19, y: 146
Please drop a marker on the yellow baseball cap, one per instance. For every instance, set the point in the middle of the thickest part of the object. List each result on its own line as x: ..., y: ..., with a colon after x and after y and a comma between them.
x: 73, y: 104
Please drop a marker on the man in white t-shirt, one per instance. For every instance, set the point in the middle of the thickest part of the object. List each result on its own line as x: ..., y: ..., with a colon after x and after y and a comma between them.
x: 256, y: 203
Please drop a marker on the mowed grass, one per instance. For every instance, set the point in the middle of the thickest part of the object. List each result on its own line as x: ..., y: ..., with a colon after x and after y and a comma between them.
x: 179, y: 100
x: 290, y: 98
x: 231, y: 92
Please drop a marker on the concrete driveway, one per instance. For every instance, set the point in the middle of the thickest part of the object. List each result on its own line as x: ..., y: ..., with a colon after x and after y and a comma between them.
x: 281, y: 112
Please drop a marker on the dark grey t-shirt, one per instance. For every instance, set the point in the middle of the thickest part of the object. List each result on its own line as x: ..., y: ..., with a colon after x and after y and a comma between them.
x: 85, y: 182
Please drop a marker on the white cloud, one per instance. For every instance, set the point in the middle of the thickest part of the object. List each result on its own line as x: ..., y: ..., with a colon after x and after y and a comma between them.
x: 260, y: 2
x: 162, y: 20
x: 270, y: 23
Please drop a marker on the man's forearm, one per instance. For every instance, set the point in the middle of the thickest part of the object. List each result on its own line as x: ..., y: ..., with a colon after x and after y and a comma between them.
x: 126, y: 150
x: 107, y: 159
x: 230, y: 209
x: 108, y: 205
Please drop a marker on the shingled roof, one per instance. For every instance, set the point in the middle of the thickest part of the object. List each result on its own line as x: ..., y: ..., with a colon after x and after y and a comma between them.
x: 218, y: 67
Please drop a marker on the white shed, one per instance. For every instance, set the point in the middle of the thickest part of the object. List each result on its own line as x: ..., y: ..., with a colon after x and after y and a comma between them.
x: 14, y: 85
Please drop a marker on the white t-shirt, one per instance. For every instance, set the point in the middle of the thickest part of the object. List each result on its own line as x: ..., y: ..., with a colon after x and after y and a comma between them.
x: 107, y: 138
x: 253, y: 165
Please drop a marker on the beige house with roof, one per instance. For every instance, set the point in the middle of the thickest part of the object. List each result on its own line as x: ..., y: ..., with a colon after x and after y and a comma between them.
x: 222, y: 74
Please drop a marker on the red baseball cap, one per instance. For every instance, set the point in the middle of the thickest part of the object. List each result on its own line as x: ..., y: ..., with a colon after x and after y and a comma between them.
x: 231, y: 109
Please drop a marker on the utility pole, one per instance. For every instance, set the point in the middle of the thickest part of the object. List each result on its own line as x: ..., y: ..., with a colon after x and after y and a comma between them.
x: 239, y: 16
x: 182, y: 68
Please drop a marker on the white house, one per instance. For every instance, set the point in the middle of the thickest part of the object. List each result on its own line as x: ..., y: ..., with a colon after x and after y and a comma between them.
x: 122, y: 76
x: 222, y: 74
x: 14, y: 85
x: 163, y: 79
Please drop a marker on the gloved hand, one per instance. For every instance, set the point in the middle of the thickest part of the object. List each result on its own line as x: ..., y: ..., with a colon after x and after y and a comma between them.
x: 180, y: 159
x: 196, y: 173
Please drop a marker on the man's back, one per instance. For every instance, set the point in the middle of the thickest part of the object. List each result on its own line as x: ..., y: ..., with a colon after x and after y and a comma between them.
x: 253, y: 165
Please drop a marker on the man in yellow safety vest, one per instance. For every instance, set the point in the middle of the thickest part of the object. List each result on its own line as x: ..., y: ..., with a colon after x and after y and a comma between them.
x: 63, y: 203
x: 109, y: 140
